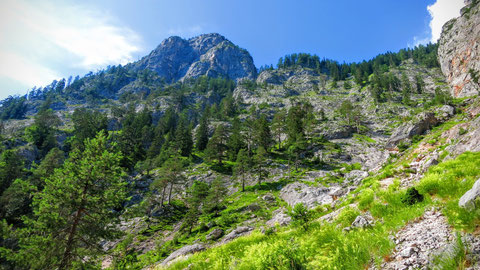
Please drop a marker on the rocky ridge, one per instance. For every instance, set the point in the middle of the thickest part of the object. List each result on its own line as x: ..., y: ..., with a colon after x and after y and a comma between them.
x: 211, y: 54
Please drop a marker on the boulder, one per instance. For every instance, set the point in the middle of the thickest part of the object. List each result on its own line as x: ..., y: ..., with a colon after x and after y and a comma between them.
x: 468, y: 199
x: 240, y: 231
x: 280, y: 218
x: 215, y: 234
x: 183, y: 251
x: 310, y: 196
x: 363, y: 221
x: 423, y: 122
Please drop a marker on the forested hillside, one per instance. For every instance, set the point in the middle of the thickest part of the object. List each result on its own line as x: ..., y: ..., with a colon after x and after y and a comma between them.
x: 311, y: 164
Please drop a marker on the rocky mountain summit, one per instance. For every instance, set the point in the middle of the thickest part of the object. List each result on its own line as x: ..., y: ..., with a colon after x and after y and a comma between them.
x: 211, y: 54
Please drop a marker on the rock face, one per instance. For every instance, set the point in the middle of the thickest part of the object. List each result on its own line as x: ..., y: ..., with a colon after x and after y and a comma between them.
x: 422, y: 123
x: 468, y: 199
x: 210, y: 54
x: 459, y: 51
x: 308, y: 195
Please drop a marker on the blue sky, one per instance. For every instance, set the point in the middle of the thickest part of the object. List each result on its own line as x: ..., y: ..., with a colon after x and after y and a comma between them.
x: 45, y: 40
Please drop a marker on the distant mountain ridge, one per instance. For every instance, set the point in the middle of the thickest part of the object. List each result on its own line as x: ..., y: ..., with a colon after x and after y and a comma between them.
x: 210, y: 54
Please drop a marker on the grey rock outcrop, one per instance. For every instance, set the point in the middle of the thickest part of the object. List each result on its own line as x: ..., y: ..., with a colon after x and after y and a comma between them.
x: 363, y: 221
x: 215, y: 234
x: 468, y: 199
x: 186, y: 250
x: 422, y: 123
x: 210, y: 54
x: 310, y: 196
x: 240, y: 231
x: 280, y: 218
x: 459, y: 51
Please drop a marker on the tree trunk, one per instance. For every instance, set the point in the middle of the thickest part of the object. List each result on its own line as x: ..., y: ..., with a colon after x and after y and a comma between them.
x: 243, y: 181
x: 163, y: 195
x: 170, y: 193
x: 65, y: 263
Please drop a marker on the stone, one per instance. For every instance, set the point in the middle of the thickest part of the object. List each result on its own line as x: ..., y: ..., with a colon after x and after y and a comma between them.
x: 423, y: 122
x: 407, y: 252
x: 183, y: 252
x: 240, y: 231
x: 310, y: 196
x: 268, y: 198
x: 363, y: 221
x: 215, y: 234
x: 468, y: 199
x: 280, y: 218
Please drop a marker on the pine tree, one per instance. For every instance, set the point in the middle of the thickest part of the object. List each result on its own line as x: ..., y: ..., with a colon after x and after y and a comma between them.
x: 216, y: 195
x: 183, y: 138
x: 75, y: 210
x: 172, y: 171
x: 202, y: 133
x: 278, y: 126
x: 217, y: 145
x: 235, y: 140
x: 260, y: 160
x: 241, y: 167
x: 263, y: 136
x: 196, y: 196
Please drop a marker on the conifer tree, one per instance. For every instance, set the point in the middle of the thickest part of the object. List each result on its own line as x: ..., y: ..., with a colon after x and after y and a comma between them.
x: 235, y: 140
x: 217, y: 145
x: 202, y: 133
x: 216, y: 195
x: 260, y: 160
x: 241, y: 167
x: 75, y: 210
x: 278, y: 126
x: 263, y: 136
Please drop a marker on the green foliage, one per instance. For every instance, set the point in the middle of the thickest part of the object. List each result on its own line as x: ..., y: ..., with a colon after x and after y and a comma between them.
x: 74, y: 210
x: 13, y: 108
x: 217, y: 145
x: 366, y: 198
x: 87, y: 124
x: 301, y: 216
x: 42, y: 132
x: 241, y: 167
x: 347, y: 216
x: 202, y: 134
x: 412, y: 196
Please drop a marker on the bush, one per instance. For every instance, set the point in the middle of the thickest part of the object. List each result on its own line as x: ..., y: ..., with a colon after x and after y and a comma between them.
x: 412, y: 196
x: 301, y: 216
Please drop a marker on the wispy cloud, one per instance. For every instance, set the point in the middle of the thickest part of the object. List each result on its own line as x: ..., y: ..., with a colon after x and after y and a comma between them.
x: 39, y: 40
x: 441, y: 12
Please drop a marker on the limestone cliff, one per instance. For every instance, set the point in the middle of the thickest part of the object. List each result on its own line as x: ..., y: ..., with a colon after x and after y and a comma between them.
x: 459, y: 51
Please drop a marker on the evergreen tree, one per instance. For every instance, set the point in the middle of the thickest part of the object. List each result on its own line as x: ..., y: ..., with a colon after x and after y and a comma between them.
x: 278, y: 126
x: 260, y: 161
x: 263, y: 135
x: 87, y: 123
x: 216, y: 195
x: 241, y: 167
x: 172, y: 171
x: 42, y: 132
x: 183, y: 138
x: 235, y: 140
x: 202, y: 133
x: 196, y: 196
x: 419, y: 83
x: 217, y: 145
x: 75, y: 210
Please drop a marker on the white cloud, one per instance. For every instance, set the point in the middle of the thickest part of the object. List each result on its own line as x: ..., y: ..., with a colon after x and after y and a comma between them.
x: 441, y: 12
x: 40, y: 40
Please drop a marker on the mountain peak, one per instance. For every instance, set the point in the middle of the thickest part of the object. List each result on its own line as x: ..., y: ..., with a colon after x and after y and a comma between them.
x: 177, y: 58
